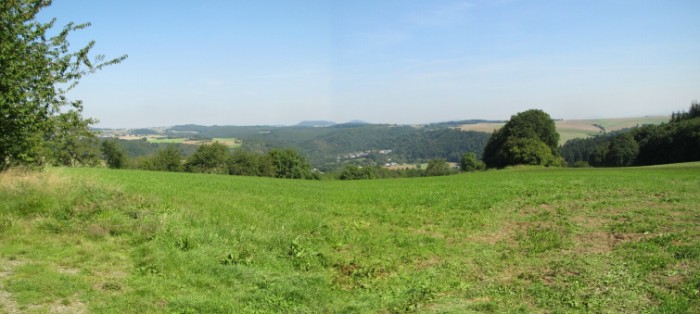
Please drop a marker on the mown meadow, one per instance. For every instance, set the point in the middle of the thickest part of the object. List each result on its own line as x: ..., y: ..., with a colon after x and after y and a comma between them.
x: 518, y: 240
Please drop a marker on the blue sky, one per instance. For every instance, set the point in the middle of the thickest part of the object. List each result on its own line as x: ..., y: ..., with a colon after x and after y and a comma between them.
x: 280, y: 62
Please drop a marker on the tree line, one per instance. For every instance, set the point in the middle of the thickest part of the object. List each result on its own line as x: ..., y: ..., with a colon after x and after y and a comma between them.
x: 215, y: 158
x: 672, y: 142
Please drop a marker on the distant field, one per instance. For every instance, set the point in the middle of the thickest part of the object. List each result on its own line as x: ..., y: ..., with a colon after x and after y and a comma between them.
x: 569, y: 129
x: 231, y: 142
x: 452, y: 165
x: 525, y: 240
x: 166, y: 140
x: 616, y: 124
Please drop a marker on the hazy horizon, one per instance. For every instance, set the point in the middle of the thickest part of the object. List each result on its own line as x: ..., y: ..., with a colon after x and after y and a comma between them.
x: 364, y: 121
x: 397, y: 62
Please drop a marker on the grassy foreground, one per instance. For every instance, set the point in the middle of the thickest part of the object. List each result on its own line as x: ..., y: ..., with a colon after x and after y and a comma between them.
x: 520, y: 240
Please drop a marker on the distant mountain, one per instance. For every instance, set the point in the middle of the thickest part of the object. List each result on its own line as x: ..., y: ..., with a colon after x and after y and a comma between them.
x: 142, y: 132
x: 315, y: 123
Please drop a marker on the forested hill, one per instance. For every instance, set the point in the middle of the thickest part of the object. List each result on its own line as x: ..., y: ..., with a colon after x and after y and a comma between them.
x: 324, y: 145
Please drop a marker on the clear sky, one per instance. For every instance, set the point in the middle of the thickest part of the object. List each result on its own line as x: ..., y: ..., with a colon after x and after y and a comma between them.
x: 384, y: 61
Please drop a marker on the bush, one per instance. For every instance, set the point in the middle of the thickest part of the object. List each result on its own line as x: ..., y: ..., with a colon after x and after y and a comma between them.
x: 113, y: 154
x: 352, y: 172
x: 166, y: 159
x: 290, y: 164
x: 437, y: 167
x: 470, y: 163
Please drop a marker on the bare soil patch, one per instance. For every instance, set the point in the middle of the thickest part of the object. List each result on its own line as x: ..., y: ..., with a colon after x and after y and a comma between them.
x: 7, y: 303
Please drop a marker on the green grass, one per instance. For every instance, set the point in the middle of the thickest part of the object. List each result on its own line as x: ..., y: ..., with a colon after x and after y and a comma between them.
x: 566, y: 134
x: 622, y: 123
x: 519, y: 240
x: 228, y: 141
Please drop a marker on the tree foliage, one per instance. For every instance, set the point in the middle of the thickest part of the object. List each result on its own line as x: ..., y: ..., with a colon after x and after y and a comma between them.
x: 352, y: 172
x: 142, y: 148
x: 526, y: 151
x: 693, y: 112
x: 246, y: 163
x: 437, y: 167
x: 168, y: 158
x: 529, y: 137
x: 289, y: 164
x: 114, y: 156
x: 622, y: 151
x: 676, y: 141
x: 470, y: 163
x: 72, y: 143
x: 209, y: 158
x: 36, y: 70
x: 217, y: 158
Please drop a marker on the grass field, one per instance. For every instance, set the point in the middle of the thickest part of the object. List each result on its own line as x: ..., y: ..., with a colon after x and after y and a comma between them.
x: 518, y: 240
x: 570, y: 129
x: 230, y: 142
x: 166, y: 140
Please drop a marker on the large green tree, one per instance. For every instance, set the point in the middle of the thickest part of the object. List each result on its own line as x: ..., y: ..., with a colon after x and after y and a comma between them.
x: 36, y: 69
x: 246, y: 163
x: 209, y: 158
x: 529, y: 137
x: 623, y: 151
x: 290, y: 164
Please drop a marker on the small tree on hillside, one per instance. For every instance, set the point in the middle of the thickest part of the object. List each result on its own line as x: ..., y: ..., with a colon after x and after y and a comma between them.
x: 290, y: 164
x: 209, y: 158
x: 113, y: 154
x: 470, y: 163
x: 437, y: 167
x: 245, y: 163
x: 165, y: 159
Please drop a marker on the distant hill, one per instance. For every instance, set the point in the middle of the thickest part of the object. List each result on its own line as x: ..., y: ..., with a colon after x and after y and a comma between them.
x: 142, y: 132
x: 326, y: 143
x: 315, y: 123
x: 326, y: 146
